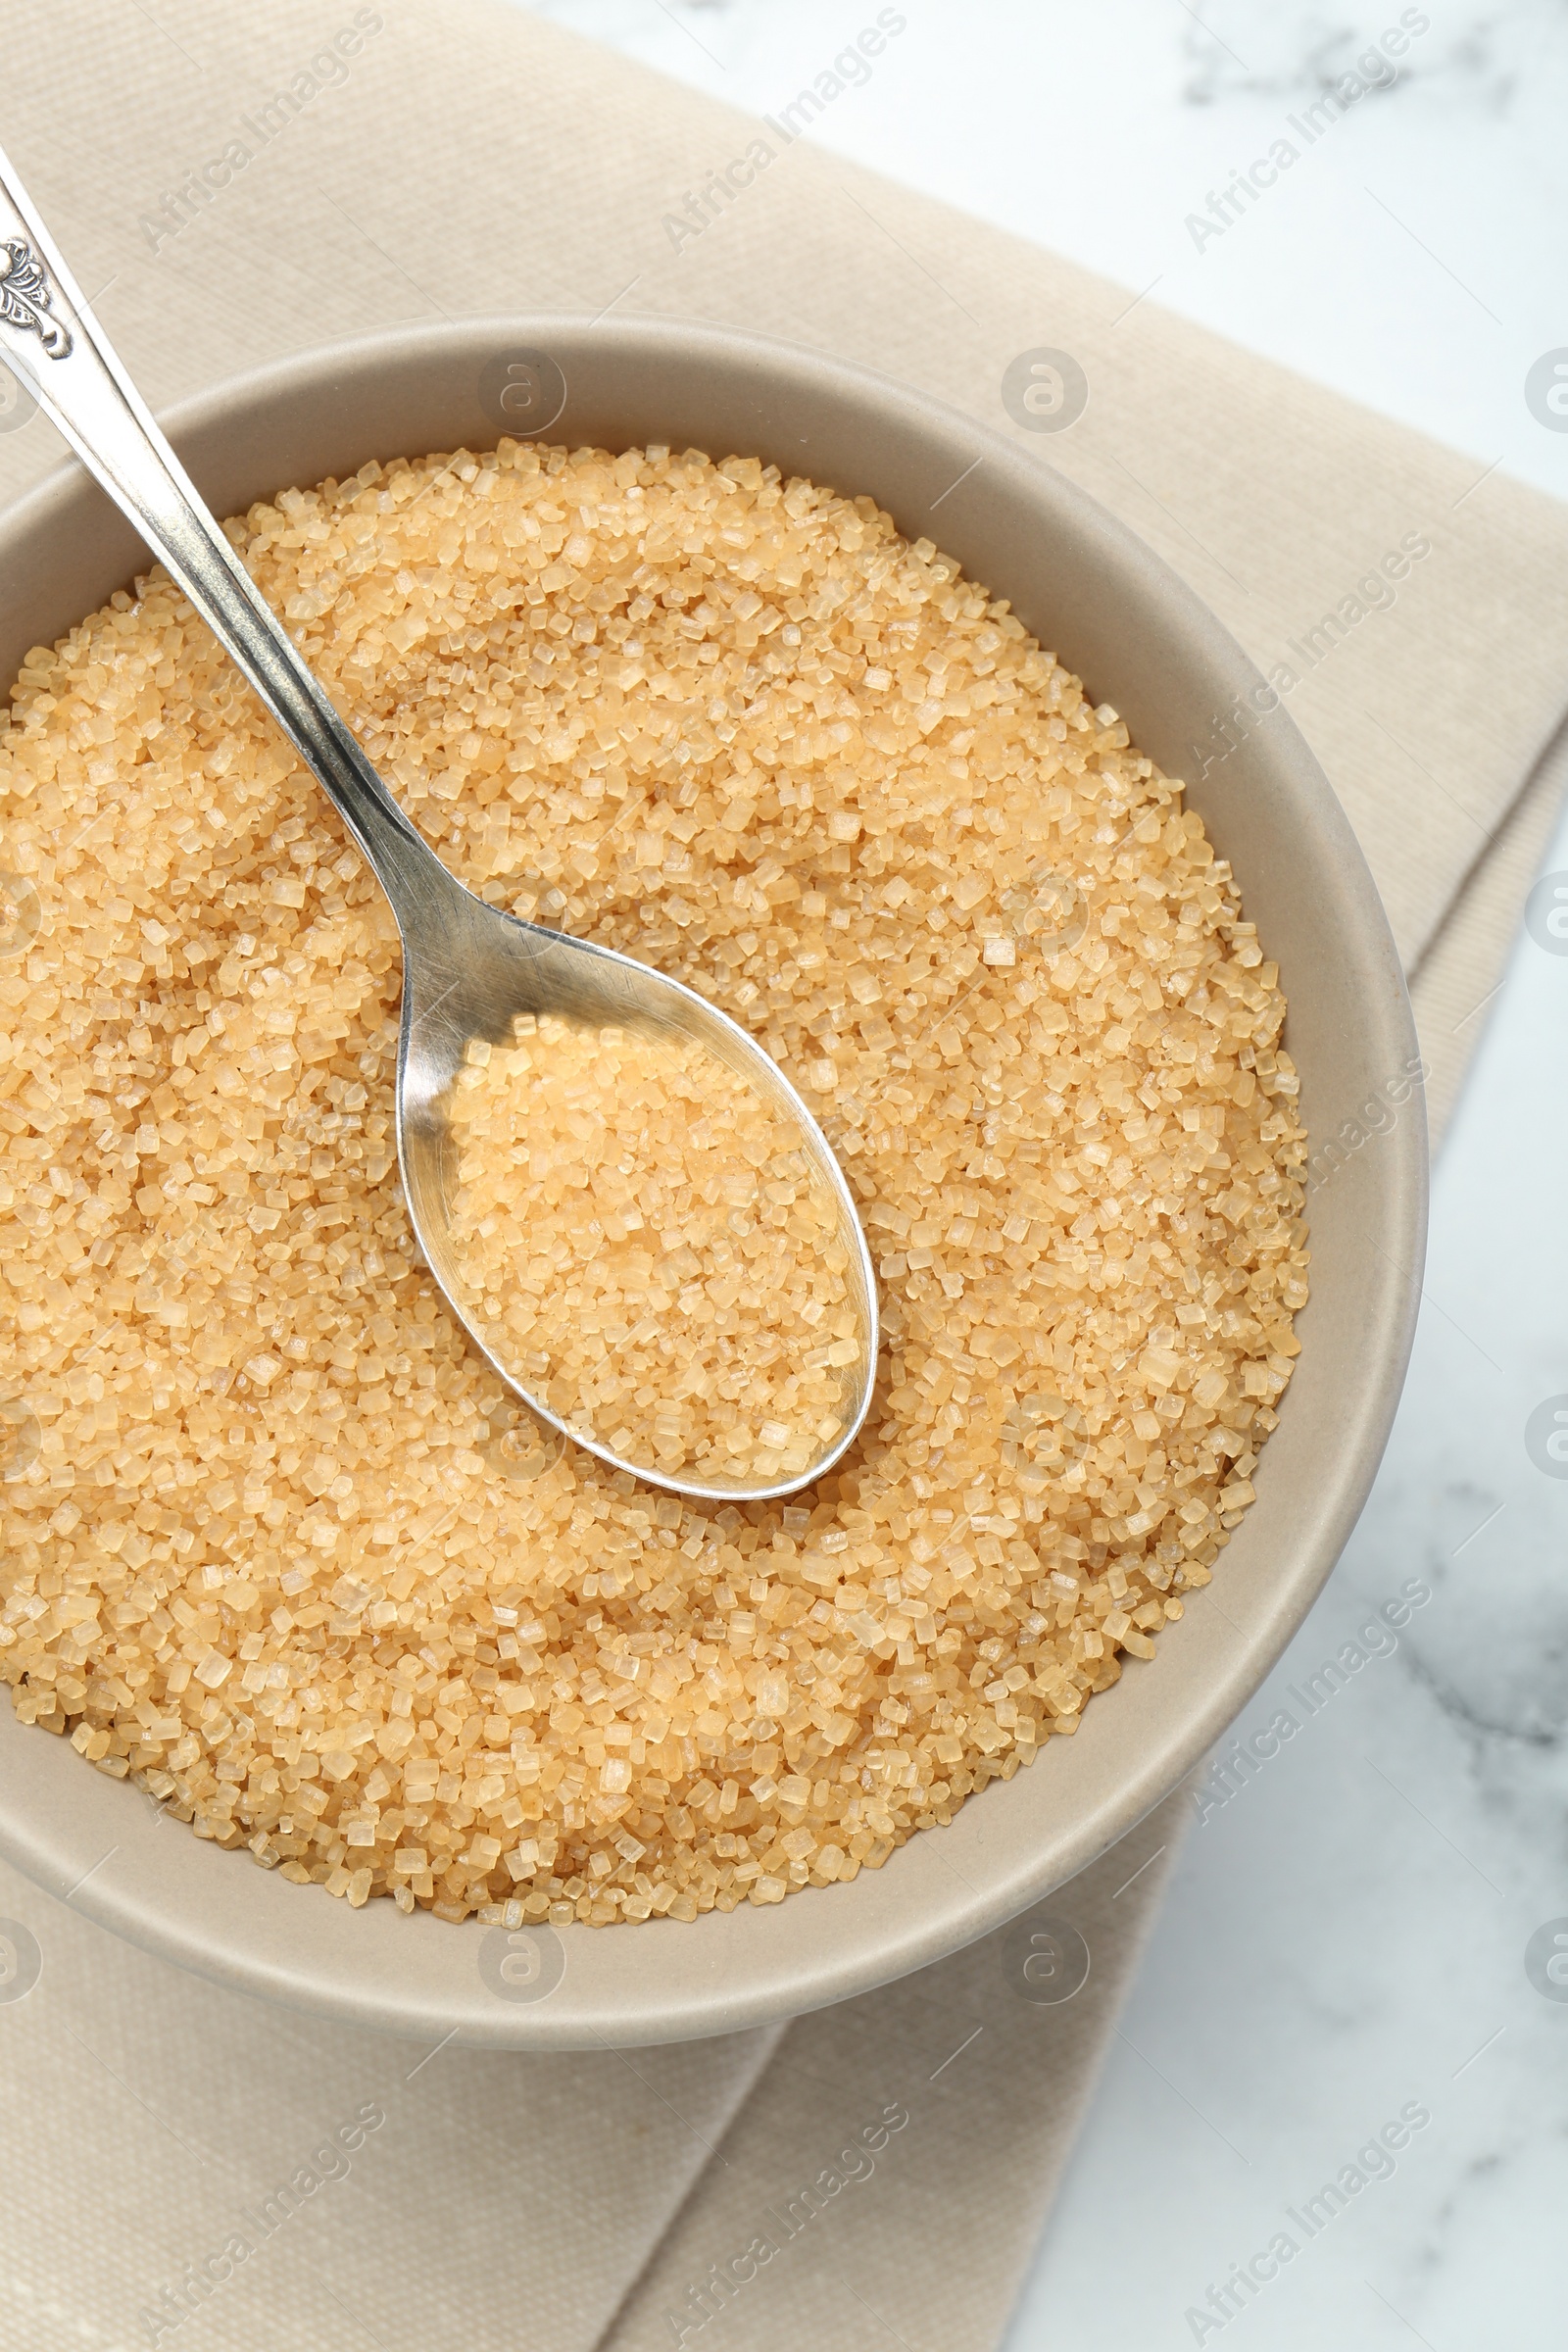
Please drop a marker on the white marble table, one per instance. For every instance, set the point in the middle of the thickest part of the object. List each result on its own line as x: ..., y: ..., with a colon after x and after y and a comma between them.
x: 1345, y: 1944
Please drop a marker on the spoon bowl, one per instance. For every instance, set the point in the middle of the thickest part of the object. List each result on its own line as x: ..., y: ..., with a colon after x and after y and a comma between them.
x: 468, y: 969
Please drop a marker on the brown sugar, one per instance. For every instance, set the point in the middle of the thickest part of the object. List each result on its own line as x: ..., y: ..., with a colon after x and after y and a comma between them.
x: 276, y: 1545
x: 650, y: 1250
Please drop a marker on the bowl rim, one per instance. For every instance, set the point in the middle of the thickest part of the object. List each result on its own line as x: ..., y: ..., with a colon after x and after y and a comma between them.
x: 55, y: 1819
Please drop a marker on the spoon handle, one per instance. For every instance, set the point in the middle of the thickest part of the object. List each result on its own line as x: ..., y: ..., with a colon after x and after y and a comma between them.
x: 49, y: 333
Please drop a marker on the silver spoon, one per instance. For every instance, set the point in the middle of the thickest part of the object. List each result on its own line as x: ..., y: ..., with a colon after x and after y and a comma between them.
x: 467, y: 968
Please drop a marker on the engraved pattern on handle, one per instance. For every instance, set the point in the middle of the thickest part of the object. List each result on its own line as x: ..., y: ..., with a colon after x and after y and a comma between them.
x: 26, y: 297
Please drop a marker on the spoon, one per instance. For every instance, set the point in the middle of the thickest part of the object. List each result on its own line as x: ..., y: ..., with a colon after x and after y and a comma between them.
x: 469, y: 968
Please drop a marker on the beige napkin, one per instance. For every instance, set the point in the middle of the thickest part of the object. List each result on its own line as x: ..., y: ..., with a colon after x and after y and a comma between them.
x: 458, y: 158
x: 179, y: 2174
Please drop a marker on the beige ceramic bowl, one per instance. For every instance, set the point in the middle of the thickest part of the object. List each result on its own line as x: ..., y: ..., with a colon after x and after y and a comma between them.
x: 1139, y: 638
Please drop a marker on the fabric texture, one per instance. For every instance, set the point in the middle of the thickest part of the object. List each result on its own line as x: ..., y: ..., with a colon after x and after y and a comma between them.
x: 977, y: 2071
x: 156, y: 2120
x: 466, y: 158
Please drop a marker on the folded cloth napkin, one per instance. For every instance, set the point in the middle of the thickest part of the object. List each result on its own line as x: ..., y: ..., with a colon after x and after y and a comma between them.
x: 186, y: 2165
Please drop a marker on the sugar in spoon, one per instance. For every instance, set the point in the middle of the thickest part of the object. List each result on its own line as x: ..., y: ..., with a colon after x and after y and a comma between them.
x: 469, y: 968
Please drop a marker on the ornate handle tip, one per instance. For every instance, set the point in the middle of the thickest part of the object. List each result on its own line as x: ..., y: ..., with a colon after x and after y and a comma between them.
x: 26, y: 297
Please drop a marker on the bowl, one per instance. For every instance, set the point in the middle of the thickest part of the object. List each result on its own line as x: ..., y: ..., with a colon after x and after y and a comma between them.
x: 1126, y: 624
